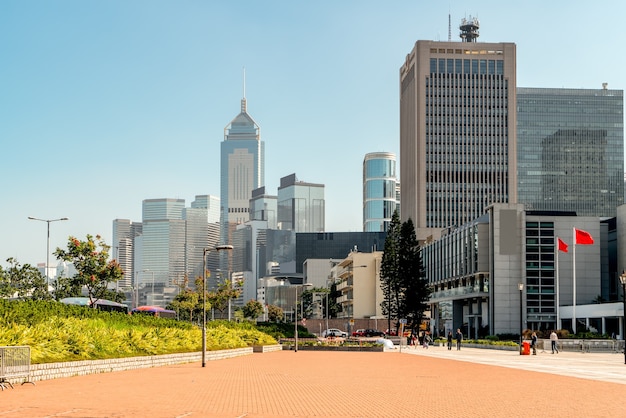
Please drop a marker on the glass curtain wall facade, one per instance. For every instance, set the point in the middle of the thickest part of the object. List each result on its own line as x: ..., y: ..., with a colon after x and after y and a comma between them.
x: 163, y: 252
x: 571, y: 150
x: 242, y: 170
x: 457, y: 132
x: 379, y: 191
x: 301, y: 205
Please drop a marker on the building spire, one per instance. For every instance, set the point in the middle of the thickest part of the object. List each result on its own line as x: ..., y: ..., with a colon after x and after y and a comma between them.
x: 243, y: 101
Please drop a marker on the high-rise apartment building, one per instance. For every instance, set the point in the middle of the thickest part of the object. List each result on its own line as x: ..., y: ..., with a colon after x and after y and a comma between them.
x: 123, y: 250
x: 301, y: 206
x: 457, y: 130
x: 570, y: 147
x: 380, y: 184
x: 242, y: 170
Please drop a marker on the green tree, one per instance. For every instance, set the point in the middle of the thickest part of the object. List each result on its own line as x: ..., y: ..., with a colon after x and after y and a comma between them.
x: 23, y: 282
x: 94, y: 269
x: 274, y: 313
x: 252, y: 309
x: 389, y: 271
x: 186, y: 303
x: 415, y: 289
x: 225, y: 292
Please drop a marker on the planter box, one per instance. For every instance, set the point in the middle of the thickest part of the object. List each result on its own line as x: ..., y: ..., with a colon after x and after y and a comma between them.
x: 376, y: 349
x: 266, y: 348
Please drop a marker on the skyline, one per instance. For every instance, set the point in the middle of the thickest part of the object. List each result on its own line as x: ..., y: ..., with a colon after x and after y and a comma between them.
x: 108, y: 104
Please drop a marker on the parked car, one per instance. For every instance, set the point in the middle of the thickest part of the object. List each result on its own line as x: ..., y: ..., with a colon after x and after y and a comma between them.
x: 373, y: 333
x: 394, y: 332
x: 334, y: 332
x: 359, y: 333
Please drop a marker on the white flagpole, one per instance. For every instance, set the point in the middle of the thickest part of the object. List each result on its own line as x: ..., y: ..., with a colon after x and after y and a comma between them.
x: 574, y: 281
x: 558, y: 308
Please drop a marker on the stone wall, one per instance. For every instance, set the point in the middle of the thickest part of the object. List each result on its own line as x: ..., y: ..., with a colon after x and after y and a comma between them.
x: 49, y: 371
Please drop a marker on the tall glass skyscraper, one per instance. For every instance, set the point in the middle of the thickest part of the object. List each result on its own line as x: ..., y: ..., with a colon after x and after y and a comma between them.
x: 457, y: 131
x: 379, y: 190
x: 571, y: 150
x: 301, y: 205
x: 242, y: 170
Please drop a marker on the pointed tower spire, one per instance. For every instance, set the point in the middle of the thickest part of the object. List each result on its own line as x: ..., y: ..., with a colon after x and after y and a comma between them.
x: 243, y: 101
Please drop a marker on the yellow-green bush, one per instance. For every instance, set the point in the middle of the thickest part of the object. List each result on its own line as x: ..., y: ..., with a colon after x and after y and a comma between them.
x: 56, y: 332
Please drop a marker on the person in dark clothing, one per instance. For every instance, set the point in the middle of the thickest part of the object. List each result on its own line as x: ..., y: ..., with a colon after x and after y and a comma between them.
x: 459, y: 338
x: 450, y: 340
x: 533, y: 343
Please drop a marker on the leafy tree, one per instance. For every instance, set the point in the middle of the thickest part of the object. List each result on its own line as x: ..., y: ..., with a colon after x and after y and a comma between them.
x: 252, y: 309
x: 23, y: 282
x: 225, y: 292
x: 274, y: 313
x: 94, y: 269
x: 186, y: 303
x: 389, y: 271
x: 414, y: 287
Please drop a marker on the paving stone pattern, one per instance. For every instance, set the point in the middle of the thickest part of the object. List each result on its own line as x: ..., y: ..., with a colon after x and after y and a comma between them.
x: 416, y: 382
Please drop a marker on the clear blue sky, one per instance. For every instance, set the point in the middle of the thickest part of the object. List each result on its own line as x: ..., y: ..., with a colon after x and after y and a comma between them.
x: 106, y: 103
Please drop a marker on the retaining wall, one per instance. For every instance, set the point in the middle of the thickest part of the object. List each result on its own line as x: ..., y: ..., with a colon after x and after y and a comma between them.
x: 49, y: 371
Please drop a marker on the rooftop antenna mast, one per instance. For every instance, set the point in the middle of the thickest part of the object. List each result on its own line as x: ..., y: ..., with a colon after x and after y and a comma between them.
x: 449, y: 27
x: 243, y: 101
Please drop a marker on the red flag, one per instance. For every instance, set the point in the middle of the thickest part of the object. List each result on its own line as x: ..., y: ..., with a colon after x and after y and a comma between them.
x: 562, y: 245
x: 583, y: 237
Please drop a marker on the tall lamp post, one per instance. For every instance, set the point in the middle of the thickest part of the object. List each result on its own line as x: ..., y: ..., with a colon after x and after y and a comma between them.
x: 48, y: 246
x: 296, y: 314
x: 520, y: 286
x: 622, y: 279
x: 205, y: 251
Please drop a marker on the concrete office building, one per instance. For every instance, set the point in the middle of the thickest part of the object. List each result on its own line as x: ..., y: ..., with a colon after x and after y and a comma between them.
x: 202, y: 223
x: 380, y: 186
x: 124, y: 233
x: 242, y: 170
x: 301, y: 206
x: 475, y: 270
x: 457, y: 130
x: 570, y: 148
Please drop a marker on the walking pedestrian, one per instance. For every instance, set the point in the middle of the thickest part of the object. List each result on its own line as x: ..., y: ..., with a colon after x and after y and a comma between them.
x: 553, y: 340
x: 426, y: 339
x: 450, y: 340
x: 533, y: 342
x: 459, y: 338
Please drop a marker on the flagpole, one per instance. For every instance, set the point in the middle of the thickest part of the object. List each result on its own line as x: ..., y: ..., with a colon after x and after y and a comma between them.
x: 558, y: 309
x: 574, y: 281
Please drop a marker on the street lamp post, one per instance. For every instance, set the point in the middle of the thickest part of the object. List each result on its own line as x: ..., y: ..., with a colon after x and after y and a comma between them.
x: 520, y: 286
x: 296, y: 315
x: 47, y: 246
x: 622, y: 279
x: 205, y: 251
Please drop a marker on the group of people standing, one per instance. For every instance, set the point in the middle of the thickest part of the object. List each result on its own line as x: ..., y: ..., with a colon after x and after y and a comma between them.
x: 458, y: 337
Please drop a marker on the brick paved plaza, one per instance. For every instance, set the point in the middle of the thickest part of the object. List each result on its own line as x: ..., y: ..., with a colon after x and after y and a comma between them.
x: 430, y: 383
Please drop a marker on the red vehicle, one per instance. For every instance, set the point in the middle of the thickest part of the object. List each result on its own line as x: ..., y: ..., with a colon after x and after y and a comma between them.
x: 368, y: 333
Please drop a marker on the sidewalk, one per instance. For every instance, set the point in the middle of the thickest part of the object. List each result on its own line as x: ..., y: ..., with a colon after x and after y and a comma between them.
x: 607, y: 367
x: 417, y: 382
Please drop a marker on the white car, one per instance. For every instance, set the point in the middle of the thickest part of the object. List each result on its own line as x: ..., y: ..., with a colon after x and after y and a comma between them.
x: 334, y: 332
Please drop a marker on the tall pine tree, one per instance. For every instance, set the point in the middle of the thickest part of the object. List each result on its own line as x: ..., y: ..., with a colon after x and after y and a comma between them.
x: 389, y: 282
x: 413, y: 285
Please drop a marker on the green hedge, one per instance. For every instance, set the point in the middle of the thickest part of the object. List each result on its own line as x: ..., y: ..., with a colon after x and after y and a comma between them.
x: 58, y: 332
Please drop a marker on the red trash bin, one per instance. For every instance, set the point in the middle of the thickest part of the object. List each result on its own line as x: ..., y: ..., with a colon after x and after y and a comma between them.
x: 525, y: 348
